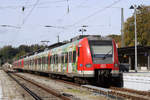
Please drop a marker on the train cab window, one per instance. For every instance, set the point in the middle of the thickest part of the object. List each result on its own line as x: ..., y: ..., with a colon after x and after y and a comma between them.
x: 74, y: 56
x: 101, y: 51
x: 70, y: 57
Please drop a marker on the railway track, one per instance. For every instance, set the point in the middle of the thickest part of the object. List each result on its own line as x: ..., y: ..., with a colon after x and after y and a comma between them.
x: 121, y: 93
x: 37, y: 91
x: 144, y: 93
x: 112, y: 92
x: 34, y: 95
x: 115, y: 92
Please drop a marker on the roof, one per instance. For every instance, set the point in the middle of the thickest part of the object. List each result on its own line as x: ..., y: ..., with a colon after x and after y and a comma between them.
x: 131, y: 50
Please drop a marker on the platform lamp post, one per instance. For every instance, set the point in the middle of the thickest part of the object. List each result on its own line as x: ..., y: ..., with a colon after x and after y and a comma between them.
x: 82, y: 29
x: 135, y: 7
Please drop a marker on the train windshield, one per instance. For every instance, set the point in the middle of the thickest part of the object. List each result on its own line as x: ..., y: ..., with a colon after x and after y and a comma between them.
x: 102, y: 51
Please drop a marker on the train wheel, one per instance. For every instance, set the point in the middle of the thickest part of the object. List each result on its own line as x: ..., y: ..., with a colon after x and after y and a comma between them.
x: 80, y: 80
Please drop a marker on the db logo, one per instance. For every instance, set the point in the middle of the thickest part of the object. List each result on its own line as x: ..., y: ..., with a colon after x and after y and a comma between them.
x: 103, y: 65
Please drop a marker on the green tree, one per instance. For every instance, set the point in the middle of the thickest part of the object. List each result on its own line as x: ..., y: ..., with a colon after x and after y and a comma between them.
x: 8, y: 53
x: 117, y: 39
x: 143, y: 28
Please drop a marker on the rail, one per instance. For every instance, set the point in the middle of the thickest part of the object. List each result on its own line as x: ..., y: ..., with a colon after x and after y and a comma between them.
x: 34, y: 95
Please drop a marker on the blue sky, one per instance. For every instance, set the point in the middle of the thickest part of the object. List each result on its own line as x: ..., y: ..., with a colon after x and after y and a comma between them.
x: 103, y: 17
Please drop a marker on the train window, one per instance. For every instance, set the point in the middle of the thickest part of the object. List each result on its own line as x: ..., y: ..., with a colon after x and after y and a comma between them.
x: 74, y: 56
x: 30, y: 62
x: 56, y: 59
x: 39, y: 61
x: 66, y: 57
x: 70, y: 57
x: 46, y: 60
x: 35, y: 61
x: 43, y: 60
x: 62, y: 58
x: 50, y: 58
x: 59, y: 58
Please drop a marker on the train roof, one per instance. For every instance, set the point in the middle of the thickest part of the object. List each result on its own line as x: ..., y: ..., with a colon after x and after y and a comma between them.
x: 60, y: 44
x: 90, y: 37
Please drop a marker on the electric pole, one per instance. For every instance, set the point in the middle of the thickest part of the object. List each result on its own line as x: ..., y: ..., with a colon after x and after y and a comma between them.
x: 122, y: 28
x: 58, y: 38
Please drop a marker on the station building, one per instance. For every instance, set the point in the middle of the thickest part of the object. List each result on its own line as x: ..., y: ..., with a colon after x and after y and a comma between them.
x: 127, y: 55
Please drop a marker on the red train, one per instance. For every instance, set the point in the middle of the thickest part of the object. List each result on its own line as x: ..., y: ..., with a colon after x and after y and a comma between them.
x: 91, y: 58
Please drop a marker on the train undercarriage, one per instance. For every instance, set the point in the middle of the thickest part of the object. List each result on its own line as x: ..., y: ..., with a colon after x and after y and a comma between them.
x: 102, y: 77
x: 105, y: 78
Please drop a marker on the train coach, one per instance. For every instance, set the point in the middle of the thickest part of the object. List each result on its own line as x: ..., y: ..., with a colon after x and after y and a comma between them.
x: 91, y: 58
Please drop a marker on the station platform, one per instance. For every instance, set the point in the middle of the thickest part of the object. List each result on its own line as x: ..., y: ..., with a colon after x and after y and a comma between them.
x: 137, y: 80
x: 10, y: 90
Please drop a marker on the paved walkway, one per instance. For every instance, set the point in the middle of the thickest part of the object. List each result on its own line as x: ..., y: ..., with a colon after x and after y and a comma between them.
x: 10, y: 90
x: 0, y: 91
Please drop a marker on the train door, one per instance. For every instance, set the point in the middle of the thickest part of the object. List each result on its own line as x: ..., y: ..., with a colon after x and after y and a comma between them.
x: 80, y: 58
x: 59, y: 62
x: 70, y: 62
x: 63, y: 63
x: 35, y: 63
x: 52, y: 63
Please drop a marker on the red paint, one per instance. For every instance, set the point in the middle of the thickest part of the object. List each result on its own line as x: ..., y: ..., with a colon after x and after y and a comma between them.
x: 86, y: 58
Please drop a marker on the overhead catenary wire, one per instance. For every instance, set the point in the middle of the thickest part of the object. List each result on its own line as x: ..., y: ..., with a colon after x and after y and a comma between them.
x: 31, y: 5
x: 25, y: 19
x: 93, y: 14
x: 67, y: 27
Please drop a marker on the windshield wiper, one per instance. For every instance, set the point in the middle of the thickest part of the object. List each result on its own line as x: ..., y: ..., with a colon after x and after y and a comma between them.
x: 106, y: 54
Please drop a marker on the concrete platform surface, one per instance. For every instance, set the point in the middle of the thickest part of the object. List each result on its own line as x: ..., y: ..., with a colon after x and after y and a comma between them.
x: 137, y: 81
x: 10, y: 90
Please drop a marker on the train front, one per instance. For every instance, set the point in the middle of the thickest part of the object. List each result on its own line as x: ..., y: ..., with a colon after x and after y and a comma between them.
x: 102, y: 58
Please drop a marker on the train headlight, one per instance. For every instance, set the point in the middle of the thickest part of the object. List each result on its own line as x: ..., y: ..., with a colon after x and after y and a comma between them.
x: 88, y: 65
x: 115, y: 71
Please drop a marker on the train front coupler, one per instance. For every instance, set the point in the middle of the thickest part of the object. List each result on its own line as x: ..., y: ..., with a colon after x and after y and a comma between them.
x: 117, y: 78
